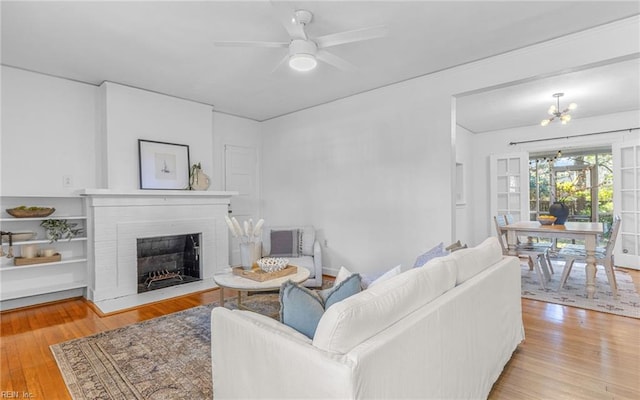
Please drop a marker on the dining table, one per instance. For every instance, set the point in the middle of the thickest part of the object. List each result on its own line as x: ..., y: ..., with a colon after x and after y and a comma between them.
x: 587, y: 231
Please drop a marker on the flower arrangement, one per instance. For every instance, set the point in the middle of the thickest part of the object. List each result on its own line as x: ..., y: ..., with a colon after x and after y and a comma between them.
x: 249, y: 234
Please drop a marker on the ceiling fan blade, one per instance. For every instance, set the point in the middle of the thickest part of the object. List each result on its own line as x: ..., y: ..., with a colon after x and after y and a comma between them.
x: 284, y: 60
x: 355, y: 35
x: 251, y: 44
x: 286, y: 16
x: 335, y: 61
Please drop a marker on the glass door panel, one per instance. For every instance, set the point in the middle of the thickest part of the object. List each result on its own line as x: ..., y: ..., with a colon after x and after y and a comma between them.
x: 626, y: 200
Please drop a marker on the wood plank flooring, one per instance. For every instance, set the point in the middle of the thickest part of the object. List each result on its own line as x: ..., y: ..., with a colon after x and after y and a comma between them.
x: 568, y: 353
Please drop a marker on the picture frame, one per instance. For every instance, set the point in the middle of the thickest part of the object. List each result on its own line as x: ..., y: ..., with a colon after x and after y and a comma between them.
x: 163, y: 165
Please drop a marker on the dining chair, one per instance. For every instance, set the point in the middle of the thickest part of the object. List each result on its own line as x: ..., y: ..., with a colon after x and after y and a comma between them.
x: 538, y: 246
x: 604, y: 257
x: 537, y: 260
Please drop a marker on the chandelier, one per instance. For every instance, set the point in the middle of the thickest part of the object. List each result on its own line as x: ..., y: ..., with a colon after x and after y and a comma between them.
x: 555, y: 112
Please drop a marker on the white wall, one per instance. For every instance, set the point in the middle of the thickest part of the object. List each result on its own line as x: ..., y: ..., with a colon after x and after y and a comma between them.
x: 359, y: 170
x: 497, y: 142
x: 48, y: 131
x: 464, y: 211
x: 131, y: 114
x: 373, y: 171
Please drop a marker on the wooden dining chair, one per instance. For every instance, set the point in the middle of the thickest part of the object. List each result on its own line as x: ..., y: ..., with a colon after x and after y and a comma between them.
x: 604, y: 257
x: 537, y: 245
x: 537, y: 260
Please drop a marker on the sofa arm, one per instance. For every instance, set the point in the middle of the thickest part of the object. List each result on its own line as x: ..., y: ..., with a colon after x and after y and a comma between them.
x: 317, y: 260
x: 252, y: 358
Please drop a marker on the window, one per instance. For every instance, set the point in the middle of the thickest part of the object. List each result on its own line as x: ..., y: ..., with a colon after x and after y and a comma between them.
x: 582, y: 180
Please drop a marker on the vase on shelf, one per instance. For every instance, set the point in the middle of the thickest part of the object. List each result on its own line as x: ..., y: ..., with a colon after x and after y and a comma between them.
x: 559, y: 210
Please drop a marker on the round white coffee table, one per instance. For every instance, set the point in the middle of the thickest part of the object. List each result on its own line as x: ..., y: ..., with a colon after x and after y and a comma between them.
x: 227, y: 280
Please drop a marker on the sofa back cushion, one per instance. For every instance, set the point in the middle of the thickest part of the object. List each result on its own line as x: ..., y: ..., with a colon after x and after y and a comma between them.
x: 470, y: 262
x: 355, y: 319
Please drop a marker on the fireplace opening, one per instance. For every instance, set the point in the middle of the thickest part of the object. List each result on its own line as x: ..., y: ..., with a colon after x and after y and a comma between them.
x: 167, y: 261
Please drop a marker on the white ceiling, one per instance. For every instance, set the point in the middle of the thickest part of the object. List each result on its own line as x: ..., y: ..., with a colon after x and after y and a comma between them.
x: 167, y: 47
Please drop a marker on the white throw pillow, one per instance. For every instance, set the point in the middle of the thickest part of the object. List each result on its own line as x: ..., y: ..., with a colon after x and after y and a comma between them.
x: 367, y: 280
x: 386, y: 276
x: 343, y: 274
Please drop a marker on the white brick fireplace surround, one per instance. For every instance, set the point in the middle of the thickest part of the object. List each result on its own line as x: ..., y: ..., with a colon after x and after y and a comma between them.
x: 117, y: 219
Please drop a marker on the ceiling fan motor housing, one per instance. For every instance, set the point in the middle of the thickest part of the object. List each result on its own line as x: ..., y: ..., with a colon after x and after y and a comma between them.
x: 299, y: 46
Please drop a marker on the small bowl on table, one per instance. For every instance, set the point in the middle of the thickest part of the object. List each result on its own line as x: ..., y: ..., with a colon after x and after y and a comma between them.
x: 272, y: 264
x: 546, y: 219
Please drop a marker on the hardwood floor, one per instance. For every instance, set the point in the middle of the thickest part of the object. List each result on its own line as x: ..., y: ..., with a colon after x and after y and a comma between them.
x: 568, y: 353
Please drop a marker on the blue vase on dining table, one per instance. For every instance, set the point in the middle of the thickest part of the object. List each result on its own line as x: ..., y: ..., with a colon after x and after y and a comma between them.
x: 559, y: 210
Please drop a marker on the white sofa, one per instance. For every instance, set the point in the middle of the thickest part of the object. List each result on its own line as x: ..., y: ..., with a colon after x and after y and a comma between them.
x: 310, y: 252
x: 441, y: 331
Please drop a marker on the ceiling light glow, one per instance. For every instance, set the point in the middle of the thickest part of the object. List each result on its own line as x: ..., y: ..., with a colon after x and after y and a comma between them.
x: 302, y: 62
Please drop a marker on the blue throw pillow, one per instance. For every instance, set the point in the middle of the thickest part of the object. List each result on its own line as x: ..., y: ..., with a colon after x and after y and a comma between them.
x: 437, y: 251
x: 302, y: 308
x: 341, y: 291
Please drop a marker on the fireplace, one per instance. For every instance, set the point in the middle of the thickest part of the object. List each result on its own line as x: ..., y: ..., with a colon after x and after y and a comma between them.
x: 167, y: 261
x: 116, y: 220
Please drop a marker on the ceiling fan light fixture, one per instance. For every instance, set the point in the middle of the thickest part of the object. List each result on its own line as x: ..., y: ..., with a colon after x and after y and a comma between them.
x: 303, y: 62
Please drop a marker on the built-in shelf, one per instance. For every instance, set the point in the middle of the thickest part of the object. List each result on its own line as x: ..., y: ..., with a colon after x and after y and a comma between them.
x: 45, y: 241
x: 10, y: 295
x: 72, y: 260
x: 13, y: 219
x: 29, y: 284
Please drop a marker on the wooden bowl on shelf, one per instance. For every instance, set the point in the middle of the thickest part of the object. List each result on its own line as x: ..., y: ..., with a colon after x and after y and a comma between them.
x: 30, y: 212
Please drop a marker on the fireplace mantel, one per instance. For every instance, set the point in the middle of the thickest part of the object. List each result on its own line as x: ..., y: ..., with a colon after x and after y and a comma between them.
x: 117, y: 218
x: 155, y: 193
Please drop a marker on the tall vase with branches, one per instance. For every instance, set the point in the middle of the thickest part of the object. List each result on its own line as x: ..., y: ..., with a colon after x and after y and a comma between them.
x: 249, y: 236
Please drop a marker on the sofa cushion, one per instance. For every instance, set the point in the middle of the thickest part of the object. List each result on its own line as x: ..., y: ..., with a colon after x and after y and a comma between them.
x: 353, y: 320
x: 302, y: 308
x: 304, y: 262
x: 471, y: 261
x: 284, y: 243
x: 437, y: 251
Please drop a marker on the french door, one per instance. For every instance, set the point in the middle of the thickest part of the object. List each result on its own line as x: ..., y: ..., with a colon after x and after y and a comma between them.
x: 626, y: 202
x: 509, y: 185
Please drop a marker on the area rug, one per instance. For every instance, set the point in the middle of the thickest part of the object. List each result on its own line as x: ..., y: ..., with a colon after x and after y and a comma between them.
x: 162, y: 358
x: 574, y: 293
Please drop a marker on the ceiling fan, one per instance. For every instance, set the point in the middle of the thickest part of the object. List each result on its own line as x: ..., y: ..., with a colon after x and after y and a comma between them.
x: 304, y: 52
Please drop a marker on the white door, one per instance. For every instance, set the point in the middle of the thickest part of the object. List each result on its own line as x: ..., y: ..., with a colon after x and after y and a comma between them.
x: 509, y: 185
x: 626, y: 202
x: 241, y: 175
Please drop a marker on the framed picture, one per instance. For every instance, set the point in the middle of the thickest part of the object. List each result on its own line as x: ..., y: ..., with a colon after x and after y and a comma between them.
x: 163, y: 165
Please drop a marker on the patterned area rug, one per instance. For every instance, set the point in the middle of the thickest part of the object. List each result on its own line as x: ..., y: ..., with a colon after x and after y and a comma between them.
x: 574, y: 292
x: 162, y: 358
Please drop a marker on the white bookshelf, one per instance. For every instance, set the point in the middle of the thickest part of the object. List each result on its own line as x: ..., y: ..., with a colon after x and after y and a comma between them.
x: 23, y: 285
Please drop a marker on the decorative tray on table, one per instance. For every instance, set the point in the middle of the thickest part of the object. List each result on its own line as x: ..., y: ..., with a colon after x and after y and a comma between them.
x: 257, y: 274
